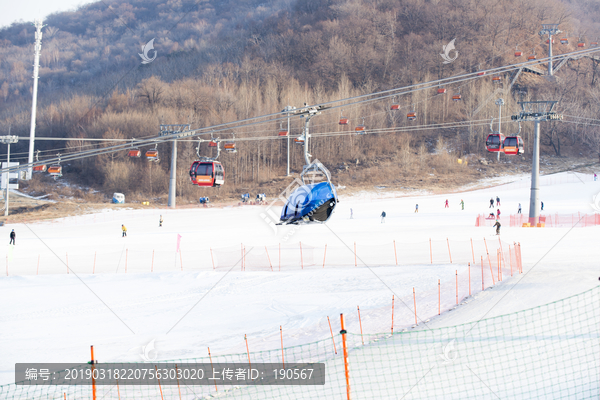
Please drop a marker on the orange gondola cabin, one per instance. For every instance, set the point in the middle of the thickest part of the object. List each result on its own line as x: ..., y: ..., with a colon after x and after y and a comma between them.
x: 513, y: 145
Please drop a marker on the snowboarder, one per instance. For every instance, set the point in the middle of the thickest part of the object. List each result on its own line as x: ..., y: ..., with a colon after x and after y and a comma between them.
x: 446, y: 205
x: 12, y: 237
x: 462, y: 204
x: 498, y: 213
x: 498, y: 201
x: 351, y: 214
x: 160, y: 221
x: 491, y: 203
x: 417, y: 208
x: 497, y: 225
x: 383, y: 217
x: 124, y: 229
x: 542, y: 206
x: 519, y: 212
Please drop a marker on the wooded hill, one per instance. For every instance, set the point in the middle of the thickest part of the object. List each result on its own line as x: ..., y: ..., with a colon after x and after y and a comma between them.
x: 221, y: 61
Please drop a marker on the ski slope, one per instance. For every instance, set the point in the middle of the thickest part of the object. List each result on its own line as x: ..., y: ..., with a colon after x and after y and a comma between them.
x: 55, y: 316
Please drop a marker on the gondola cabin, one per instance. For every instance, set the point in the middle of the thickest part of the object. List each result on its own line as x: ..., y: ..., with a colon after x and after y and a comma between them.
x: 456, y: 97
x: 299, y: 140
x: 212, y: 143
x: 513, y: 145
x: 494, y: 142
x: 564, y: 41
x: 441, y: 90
x: 594, y: 44
x: 283, y: 133
x: 152, y: 155
x: 207, y: 173
x: 395, y: 107
x: 411, y: 116
x: 344, y: 120
x: 531, y: 57
x: 134, y: 153
x: 481, y: 73
x: 496, y: 79
x: 230, y: 147
x: 55, y: 170
x: 360, y: 129
x: 581, y: 44
x: 518, y: 53
x: 39, y: 168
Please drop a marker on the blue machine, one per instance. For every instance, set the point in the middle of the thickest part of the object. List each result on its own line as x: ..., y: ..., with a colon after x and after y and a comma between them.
x: 204, y: 200
x: 310, y: 203
x: 118, y: 198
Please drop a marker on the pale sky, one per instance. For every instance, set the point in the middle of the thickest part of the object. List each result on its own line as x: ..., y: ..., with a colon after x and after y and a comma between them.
x: 28, y: 10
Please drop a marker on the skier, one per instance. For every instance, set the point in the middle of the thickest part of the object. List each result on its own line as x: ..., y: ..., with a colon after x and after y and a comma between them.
x: 542, y: 206
x: 497, y: 225
x: 446, y: 206
x: 595, y: 176
x: 351, y: 214
x: 124, y: 229
x: 160, y: 221
x: 519, y: 212
x: 462, y: 204
x: 491, y: 203
x: 383, y: 217
x: 498, y: 201
x: 498, y: 213
x: 12, y: 237
x: 417, y: 208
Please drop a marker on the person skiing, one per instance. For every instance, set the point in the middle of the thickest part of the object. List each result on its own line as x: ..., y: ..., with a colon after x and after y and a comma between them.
x: 446, y: 205
x: 462, y: 204
x: 519, y: 212
x: 351, y: 214
x: 160, y: 221
x: 13, y: 235
x: 491, y: 203
x: 542, y: 206
x: 124, y: 229
x: 383, y: 217
x: 498, y: 213
x: 497, y: 225
x: 498, y: 201
x: 417, y: 208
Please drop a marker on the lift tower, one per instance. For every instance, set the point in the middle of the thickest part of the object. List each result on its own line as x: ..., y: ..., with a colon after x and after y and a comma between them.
x: 550, y: 29
x: 166, y: 130
x: 536, y: 111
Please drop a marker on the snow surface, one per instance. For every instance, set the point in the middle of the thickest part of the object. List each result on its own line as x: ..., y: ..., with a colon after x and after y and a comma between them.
x: 55, y: 317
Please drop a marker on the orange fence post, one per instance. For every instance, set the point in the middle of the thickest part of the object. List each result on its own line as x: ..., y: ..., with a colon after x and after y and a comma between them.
x: 439, y: 298
x: 248, y: 351
x: 152, y: 266
x: 360, y: 324
x: 267, y: 251
x: 159, y: 387
x: 469, y: 266
x: 355, y: 254
x: 93, y: 269
x: 118, y: 390
x: 392, y: 314
x: 346, y: 365
x: 301, y: 256
x: 212, y: 258
x: 456, y: 287
x: 282, y: 355
x: 324, y: 255
x: 395, y: 253
x: 415, y: 300
x: 472, y: 252
x: 430, y: 251
x: 93, y: 379
x: 450, y: 255
x: 211, y: 367
x: 177, y: 376
x: 332, y: 339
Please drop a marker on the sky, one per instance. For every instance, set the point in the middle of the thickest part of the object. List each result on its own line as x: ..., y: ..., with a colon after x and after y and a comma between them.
x: 28, y: 10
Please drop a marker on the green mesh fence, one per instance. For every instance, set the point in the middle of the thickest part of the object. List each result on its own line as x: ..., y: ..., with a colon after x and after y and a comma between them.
x: 551, y: 352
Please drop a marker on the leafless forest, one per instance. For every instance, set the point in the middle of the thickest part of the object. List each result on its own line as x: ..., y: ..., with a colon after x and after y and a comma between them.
x: 220, y: 61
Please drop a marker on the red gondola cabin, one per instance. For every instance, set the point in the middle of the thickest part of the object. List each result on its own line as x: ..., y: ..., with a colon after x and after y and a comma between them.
x: 494, y: 142
x: 207, y: 173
